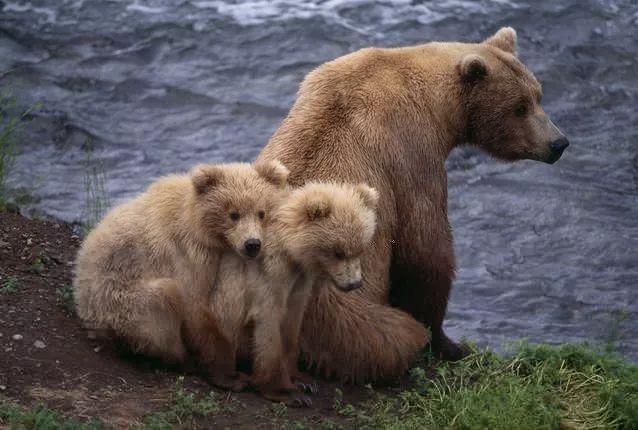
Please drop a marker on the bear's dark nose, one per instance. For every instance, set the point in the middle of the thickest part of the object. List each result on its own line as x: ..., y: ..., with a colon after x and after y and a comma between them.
x: 559, y: 145
x: 252, y: 247
x: 353, y: 285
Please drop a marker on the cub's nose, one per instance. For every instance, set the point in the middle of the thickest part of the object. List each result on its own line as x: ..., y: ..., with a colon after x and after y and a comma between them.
x: 353, y: 285
x: 252, y: 247
x: 559, y: 145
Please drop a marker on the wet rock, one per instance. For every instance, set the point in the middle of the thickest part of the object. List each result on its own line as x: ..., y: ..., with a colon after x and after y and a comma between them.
x: 39, y: 344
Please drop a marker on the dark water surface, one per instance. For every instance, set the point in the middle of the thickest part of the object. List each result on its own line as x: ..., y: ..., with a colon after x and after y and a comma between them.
x: 545, y: 252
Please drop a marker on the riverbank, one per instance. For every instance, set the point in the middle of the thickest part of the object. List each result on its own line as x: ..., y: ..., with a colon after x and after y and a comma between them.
x: 53, y: 376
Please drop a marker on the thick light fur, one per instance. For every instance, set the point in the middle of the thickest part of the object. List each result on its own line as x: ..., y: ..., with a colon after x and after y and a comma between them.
x: 390, y: 118
x: 316, y: 232
x: 146, y: 271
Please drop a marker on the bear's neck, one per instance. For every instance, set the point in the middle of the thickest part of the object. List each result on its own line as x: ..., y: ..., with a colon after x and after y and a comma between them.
x: 411, y: 124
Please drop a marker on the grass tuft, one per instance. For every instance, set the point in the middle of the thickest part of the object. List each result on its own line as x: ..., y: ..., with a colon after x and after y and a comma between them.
x: 40, y: 417
x: 65, y: 294
x: 536, y: 387
x: 184, y: 408
x: 97, y: 199
x: 10, y: 123
x: 9, y: 285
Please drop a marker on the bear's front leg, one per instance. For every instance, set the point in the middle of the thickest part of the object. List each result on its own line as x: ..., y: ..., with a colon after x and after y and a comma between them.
x: 271, y: 373
x: 422, y: 272
x: 216, y: 353
x: 291, y: 331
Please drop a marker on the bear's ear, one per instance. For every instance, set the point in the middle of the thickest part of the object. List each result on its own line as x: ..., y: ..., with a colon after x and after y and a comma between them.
x: 273, y: 171
x: 317, y: 207
x: 504, y: 39
x: 369, y: 195
x: 205, y: 177
x: 473, y: 68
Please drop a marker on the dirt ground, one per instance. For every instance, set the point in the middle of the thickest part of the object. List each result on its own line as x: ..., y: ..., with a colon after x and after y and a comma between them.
x: 46, y: 356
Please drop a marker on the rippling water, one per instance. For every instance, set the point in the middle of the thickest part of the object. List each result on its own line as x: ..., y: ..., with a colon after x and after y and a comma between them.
x: 545, y: 252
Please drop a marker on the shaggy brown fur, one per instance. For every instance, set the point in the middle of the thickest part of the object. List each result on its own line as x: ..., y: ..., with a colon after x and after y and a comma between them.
x: 390, y: 117
x: 316, y: 232
x: 146, y: 271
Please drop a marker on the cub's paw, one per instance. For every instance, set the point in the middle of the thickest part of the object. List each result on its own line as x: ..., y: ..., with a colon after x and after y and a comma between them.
x: 235, y: 382
x: 291, y: 398
x: 306, y: 383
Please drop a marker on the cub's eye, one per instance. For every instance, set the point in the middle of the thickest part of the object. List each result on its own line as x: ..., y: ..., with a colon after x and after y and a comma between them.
x: 234, y: 216
x: 521, y: 111
x: 340, y: 255
x: 261, y: 214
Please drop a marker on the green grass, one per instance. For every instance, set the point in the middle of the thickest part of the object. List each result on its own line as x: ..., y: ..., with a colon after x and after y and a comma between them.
x: 97, y: 199
x: 532, y: 387
x: 65, y: 293
x: 9, y: 285
x: 39, y: 418
x: 183, y: 408
x: 10, y: 123
x: 38, y: 265
x: 535, y: 387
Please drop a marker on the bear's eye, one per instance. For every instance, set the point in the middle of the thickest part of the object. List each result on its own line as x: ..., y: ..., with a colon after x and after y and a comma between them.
x: 340, y: 255
x: 234, y: 216
x: 261, y: 214
x: 521, y: 111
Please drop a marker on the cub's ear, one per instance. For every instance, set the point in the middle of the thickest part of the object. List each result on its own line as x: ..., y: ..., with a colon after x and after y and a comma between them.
x: 317, y: 207
x: 205, y: 177
x: 473, y: 68
x: 273, y: 171
x: 504, y: 39
x: 369, y: 195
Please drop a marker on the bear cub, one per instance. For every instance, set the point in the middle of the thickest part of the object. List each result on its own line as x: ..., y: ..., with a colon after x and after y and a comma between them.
x: 316, y: 232
x: 145, y: 273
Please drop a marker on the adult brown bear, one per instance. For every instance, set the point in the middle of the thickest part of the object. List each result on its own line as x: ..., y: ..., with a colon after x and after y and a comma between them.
x: 390, y: 117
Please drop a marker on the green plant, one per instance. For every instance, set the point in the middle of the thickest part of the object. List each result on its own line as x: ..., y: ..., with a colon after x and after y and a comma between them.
x: 97, y: 199
x: 184, y: 407
x: 65, y: 293
x: 38, y: 266
x: 343, y: 409
x: 535, y: 387
x: 10, y: 123
x: 9, y: 285
x: 279, y: 410
x: 41, y: 418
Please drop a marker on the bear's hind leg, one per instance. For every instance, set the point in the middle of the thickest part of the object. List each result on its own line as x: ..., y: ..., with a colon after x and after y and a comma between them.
x: 154, y: 326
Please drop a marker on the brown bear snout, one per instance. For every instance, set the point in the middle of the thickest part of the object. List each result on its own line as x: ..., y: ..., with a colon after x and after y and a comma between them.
x: 557, y: 147
x: 352, y: 285
x: 252, y: 247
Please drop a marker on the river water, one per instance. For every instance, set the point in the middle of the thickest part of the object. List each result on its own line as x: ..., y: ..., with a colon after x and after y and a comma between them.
x: 549, y: 253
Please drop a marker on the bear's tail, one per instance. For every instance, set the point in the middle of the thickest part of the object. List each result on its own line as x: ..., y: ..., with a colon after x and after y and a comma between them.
x: 348, y: 337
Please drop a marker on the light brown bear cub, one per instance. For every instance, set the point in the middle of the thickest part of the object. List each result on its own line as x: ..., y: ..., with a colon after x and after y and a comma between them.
x: 145, y: 272
x: 317, y: 232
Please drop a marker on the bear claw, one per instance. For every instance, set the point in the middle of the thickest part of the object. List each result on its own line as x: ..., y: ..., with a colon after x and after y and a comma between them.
x: 300, y: 401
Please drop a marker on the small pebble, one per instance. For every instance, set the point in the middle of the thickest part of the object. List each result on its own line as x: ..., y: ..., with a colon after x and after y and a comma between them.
x: 39, y: 344
x: 3, y: 387
x: 97, y: 349
x: 29, y: 241
x: 17, y: 337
